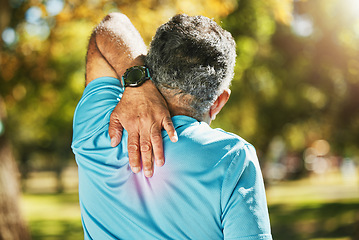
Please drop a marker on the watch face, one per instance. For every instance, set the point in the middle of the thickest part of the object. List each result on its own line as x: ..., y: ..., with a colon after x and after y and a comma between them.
x: 135, y: 75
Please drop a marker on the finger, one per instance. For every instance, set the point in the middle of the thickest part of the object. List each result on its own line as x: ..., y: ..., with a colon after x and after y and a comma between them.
x: 146, y: 154
x: 168, y: 126
x: 115, y: 130
x: 134, y: 152
x: 116, y: 139
x: 157, y: 145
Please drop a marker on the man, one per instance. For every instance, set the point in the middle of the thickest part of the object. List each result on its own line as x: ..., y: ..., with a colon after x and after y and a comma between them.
x: 211, y: 185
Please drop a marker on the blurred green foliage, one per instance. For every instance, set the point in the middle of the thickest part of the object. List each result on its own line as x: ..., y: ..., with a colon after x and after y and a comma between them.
x: 296, y: 74
x: 298, y: 82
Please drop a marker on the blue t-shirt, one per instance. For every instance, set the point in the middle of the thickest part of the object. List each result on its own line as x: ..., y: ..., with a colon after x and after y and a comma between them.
x: 210, y: 187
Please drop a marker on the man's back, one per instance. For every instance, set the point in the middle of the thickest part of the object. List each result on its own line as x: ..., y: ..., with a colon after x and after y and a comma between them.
x: 209, y: 188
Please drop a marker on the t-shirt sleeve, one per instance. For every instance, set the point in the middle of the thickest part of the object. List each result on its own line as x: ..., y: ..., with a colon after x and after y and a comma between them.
x: 244, y: 205
x: 93, y: 111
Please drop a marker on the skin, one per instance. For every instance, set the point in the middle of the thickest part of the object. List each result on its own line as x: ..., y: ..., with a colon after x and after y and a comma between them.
x: 114, y: 46
x: 176, y: 108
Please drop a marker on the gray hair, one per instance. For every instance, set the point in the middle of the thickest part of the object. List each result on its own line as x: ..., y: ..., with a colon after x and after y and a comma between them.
x: 192, y: 57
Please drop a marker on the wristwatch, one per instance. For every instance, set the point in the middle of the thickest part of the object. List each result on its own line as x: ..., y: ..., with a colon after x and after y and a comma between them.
x: 135, y: 76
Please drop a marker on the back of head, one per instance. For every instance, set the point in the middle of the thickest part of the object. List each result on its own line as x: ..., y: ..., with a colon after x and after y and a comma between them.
x: 192, y: 60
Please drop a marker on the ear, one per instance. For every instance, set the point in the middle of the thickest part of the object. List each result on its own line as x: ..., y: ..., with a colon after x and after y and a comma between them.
x: 219, y: 103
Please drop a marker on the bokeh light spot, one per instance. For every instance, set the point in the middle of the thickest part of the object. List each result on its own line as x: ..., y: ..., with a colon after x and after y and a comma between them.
x: 54, y: 7
x: 33, y: 15
x: 9, y: 36
x: 302, y: 25
x: 41, y: 30
x: 321, y: 147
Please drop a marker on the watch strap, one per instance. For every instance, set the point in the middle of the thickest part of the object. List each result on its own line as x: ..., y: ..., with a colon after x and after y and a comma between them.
x: 139, y: 82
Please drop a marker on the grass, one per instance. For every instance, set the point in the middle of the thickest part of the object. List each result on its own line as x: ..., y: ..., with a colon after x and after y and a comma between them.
x: 53, y: 216
x: 315, y: 208
x: 315, y: 221
x: 325, y: 208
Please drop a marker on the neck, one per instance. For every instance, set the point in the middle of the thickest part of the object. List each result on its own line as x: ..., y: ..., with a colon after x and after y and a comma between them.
x: 176, y: 110
x: 179, y: 104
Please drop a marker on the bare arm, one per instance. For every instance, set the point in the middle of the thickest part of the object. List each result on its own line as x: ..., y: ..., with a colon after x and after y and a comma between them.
x: 116, y: 45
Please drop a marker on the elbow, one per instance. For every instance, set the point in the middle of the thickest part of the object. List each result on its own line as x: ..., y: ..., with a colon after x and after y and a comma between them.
x: 112, y: 23
x: 115, y: 17
x: 109, y: 24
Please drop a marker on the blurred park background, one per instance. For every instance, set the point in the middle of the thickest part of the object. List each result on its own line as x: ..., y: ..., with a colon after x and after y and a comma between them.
x: 295, y: 97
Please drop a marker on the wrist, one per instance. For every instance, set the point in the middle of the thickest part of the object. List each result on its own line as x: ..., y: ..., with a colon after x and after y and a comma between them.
x: 135, y: 76
x: 147, y: 86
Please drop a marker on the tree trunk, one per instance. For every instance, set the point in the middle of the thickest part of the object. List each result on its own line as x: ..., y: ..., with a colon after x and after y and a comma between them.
x: 4, y: 15
x: 12, y: 226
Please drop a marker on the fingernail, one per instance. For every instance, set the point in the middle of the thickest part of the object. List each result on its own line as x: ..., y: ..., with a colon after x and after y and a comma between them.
x: 148, y: 173
x: 136, y: 169
x: 174, y: 138
x: 160, y: 163
x: 114, y: 142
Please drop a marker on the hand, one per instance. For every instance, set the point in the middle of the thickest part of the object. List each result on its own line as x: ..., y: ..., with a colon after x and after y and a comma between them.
x: 143, y: 112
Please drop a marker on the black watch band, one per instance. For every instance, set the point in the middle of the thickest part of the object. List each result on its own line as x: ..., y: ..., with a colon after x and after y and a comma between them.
x: 135, y: 76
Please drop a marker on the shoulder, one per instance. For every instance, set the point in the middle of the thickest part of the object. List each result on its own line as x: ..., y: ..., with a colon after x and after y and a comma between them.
x: 93, y: 111
x: 200, y: 134
x: 241, y: 146
x: 229, y: 141
x: 216, y: 144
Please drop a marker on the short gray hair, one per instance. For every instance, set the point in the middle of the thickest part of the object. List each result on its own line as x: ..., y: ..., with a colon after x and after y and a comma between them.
x: 192, y: 57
